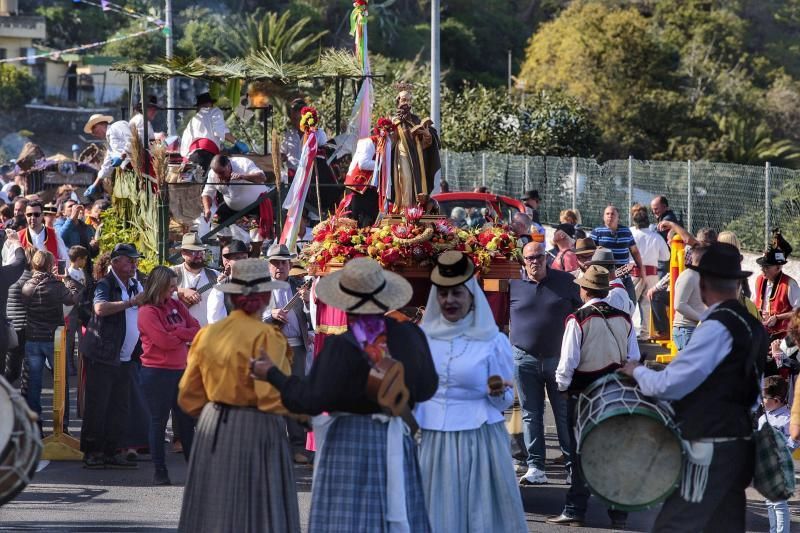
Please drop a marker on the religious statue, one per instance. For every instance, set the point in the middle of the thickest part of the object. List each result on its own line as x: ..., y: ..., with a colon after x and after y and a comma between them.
x: 416, y: 168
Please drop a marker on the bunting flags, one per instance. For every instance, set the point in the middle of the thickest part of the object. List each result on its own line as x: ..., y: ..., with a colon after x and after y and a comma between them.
x: 296, y: 197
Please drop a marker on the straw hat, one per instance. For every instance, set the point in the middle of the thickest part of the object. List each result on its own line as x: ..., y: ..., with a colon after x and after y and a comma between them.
x: 595, y: 277
x: 96, y: 119
x: 603, y: 257
x: 297, y: 270
x: 585, y: 246
x: 249, y: 276
x: 363, y: 287
x: 452, y: 268
x: 192, y: 243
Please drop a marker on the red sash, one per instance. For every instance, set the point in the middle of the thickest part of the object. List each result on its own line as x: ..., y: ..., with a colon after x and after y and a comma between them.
x: 50, y: 240
x: 204, y: 144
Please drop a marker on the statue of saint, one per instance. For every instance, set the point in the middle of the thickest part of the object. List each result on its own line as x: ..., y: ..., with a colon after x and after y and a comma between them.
x: 416, y: 168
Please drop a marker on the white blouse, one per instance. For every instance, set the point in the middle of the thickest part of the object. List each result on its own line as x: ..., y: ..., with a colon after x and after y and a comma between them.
x: 462, y: 401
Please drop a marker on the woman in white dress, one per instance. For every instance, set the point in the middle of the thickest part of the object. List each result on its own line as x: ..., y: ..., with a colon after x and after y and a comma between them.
x: 467, y: 473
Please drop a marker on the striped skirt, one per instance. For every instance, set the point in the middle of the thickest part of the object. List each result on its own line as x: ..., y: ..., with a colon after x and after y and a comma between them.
x: 240, y: 476
x: 349, y: 493
x: 469, y: 481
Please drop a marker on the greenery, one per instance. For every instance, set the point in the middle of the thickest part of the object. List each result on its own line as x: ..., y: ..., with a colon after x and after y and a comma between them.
x: 17, y: 87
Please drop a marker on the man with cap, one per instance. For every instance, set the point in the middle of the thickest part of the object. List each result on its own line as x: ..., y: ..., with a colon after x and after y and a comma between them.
x: 218, y: 306
x: 118, y: 139
x: 713, y: 384
x: 195, y: 279
x: 598, y: 340
x: 110, y: 342
x: 532, y: 200
x: 206, y: 133
x: 294, y: 324
x: 137, y: 121
x: 565, y: 259
x: 540, y: 302
x: 617, y: 295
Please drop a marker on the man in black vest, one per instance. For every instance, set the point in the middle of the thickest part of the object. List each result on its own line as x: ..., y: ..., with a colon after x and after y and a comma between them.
x: 713, y: 383
x: 110, y: 342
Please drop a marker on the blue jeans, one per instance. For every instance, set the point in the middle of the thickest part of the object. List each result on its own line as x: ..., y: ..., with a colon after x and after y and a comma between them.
x: 681, y: 336
x: 35, y: 354
x: 779, y: 518
x: 160, y: 386
x: 533, y: 375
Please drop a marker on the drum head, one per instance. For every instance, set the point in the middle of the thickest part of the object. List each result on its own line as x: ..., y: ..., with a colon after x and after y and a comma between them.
x: 632, y: 462
x: 6, y: 417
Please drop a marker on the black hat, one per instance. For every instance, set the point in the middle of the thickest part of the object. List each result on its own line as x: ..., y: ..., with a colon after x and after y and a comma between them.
x: 772, y: 257
x: 721, y: 260
x: 569, y: 229
x: 531, y: 195
x: 126, y: 250
x: 236, y: 247
x: 203, y: 98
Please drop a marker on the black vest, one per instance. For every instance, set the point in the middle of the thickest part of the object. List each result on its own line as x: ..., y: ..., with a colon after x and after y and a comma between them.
x: 721, y: 405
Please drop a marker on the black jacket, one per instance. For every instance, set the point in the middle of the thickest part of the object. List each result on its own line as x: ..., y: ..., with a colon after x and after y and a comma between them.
x: 16, y: 310
x: 104, y: 335
x: 9, y: 275
x: 45, y: 297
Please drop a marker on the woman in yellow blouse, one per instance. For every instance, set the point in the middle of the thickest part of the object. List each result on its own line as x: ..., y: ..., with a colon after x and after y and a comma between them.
x: 240, y: 472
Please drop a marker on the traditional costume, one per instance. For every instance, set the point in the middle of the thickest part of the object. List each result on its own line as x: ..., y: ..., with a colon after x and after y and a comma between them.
x: 205, y: 135
x: 366, y: 474
x: 776, y: 297
x: 240, y: 474
x: 469, y: 479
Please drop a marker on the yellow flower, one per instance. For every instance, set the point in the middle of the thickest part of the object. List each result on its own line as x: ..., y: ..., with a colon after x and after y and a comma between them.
x: 356, y: 239
x: 463, y: 235
x: 492, y: 245
x: 380, y: 246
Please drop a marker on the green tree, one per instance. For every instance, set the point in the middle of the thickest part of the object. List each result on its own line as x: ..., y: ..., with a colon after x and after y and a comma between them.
x: 205, y: 34
x: 287, y: 41
x: 17, y: 87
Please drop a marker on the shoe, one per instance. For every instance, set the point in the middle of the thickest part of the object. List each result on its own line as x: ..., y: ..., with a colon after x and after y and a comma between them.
x: 533, y: 476
x: 177, y: 447
x: 94, y: 461
x: 119, y: 461
x: 564, y: 520
x: 161, y: 477
x: 560, y: 460
x: 300, y: 459
x: 131, y: 455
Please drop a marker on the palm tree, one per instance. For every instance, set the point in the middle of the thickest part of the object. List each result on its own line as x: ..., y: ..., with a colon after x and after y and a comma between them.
x: 266, y: 32
x: 744, y: 142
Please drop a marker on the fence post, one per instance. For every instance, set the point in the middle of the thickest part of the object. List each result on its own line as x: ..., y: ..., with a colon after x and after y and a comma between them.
x: 483, y: 169
x: 527, y: 174
x: 575, y: 184
x: 447, y: 165
x: 689, y: 196
x: 630, y: 190
x: 766, y: 205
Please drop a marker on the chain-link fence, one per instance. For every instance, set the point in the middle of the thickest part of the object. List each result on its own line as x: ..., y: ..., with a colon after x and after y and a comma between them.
x: 748, y: 200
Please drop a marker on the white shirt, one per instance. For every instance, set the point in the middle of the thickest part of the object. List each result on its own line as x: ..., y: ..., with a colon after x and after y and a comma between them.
x: 462, y: 401
x: 652, y: 247
x: 138, y: 122
x: 131, y: 320
x: 290, y: 330
x: 207, y: 123
x: 77, y: 274
x: 711, y: 342
x: 118, y: 138
x: 292, y: 145
x: 197, y: 281
x: 779, y: 419
x: 37, y: 241
x: 571, y: 348
x: 238, y: 193
x: 619, y: 298
x: 216, y: 306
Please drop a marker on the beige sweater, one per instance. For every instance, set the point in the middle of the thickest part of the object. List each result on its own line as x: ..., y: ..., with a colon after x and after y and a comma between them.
x: 688, y: 303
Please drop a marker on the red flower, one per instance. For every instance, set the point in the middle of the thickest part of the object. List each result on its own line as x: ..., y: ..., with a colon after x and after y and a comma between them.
x: 387, y: 240
x: 343, y: 238
x: 390, y: 256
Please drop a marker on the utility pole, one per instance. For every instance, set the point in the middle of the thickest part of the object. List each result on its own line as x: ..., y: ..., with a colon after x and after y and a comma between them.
x: 435, y: 67
x: 509, y: 72
x: 170, y: 80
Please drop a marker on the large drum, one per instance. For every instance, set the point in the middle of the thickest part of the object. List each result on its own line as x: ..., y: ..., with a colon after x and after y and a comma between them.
x: 630, y: 451
x: 20, y: 444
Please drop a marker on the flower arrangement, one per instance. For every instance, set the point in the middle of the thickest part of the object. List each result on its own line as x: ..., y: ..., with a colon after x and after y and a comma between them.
x: 383, y: 127
x: 309, y: 118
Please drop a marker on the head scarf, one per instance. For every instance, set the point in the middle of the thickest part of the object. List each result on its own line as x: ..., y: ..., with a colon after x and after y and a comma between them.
x: 477, y: 324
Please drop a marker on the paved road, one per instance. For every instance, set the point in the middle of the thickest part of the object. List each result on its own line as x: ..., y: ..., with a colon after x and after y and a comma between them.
x: 66, y: 497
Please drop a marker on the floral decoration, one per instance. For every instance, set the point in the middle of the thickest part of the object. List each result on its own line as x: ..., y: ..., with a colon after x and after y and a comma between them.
x: 309, y: 118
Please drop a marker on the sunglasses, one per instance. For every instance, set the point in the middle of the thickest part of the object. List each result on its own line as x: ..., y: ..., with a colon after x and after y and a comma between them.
x: 34, y: 215
x: 534, y: 258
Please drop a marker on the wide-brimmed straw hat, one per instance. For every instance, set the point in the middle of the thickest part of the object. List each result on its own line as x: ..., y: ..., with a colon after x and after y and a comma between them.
x: 602, y: 257
x: 595, y: 277
x: 772, y: 257
x: 96, y: 119
x: 452, y: 268
x: 585, y: 246
x: 192, y: 243
x: 249, y: 276
x: 722, y: 261
x: 363, y: 287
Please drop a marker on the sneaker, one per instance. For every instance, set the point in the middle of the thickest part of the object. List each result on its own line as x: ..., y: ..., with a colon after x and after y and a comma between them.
x: 119, y: 461
x: 533, y: 476
x: 161, y: 477
x: 131, y: 455
x: 94, y: 461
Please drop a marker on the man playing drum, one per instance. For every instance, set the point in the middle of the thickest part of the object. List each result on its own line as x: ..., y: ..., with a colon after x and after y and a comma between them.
x: 598, y: 340
x: 713, y: 383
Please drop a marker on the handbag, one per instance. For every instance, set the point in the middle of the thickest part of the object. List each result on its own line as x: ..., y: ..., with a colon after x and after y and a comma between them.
x: 774, y: 468
x: 13, y: 340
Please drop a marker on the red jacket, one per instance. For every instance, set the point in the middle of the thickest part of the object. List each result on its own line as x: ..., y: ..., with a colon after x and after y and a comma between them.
x: 778, y: 302
x: 165, y: 329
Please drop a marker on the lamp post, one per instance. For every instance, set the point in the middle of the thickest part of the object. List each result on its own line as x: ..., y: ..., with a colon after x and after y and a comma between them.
x: 435, y: 67
x: 170, y: 80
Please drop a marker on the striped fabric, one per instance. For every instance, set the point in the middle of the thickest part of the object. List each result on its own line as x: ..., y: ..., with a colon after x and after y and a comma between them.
x: 619, y: 242
x: 349, y: 493
x: 296, y: 197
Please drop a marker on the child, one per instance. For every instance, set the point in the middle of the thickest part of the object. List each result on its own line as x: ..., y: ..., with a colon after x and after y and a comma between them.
x: 776, y: 413
x: 78, y: 255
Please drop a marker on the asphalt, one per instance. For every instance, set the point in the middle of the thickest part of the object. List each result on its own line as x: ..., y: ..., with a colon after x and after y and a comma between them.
x: 64, y: 497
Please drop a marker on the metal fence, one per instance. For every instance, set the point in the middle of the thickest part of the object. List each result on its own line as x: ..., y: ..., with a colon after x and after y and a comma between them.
x: 748, y: 200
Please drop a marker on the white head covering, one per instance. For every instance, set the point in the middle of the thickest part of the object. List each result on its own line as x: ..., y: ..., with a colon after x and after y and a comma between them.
x: 478, y: 324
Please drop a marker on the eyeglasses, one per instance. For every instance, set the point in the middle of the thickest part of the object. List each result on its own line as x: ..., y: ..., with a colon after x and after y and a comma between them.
x: 534, y: 258
x: 34, y: 215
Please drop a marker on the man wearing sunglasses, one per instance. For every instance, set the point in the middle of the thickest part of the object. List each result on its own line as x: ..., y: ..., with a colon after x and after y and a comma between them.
x: 40, y: 237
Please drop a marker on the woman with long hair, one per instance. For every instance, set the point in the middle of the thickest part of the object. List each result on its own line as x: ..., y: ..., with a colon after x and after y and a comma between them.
x: 166, y: 328
x: 467, y: 472
x: 241, y: 475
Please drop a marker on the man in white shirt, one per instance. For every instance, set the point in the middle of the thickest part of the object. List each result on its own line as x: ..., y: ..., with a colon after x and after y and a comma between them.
x: 713, y: 383
x: 292, y: 143
x: 240, y: 182
x: 654, y: 250
x: 234, y: 251
x: 206, y: 132
x: 195, y: 279
x: 39, y: 236
x: 137, y: 121
x: 598, y: 340
x: 118, y: 138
